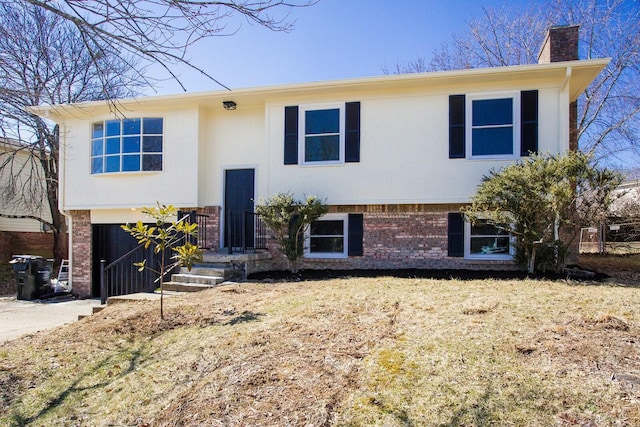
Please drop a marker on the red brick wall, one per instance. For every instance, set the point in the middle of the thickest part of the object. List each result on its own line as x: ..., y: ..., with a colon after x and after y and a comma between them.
x: 81, y: 241
x: 17, y: 243
x: 209, y: 238
x: 398, y: 237
x: 213, y: 226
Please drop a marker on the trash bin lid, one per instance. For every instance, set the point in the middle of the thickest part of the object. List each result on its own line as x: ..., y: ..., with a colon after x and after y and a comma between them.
x: 24, y: 258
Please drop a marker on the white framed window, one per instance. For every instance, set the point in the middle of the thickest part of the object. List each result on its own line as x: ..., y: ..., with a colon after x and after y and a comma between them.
x: 327, y: 237
x: 484, y: 240
x: 127, y: 145
x: 493, y: 125
x: 322, y: 138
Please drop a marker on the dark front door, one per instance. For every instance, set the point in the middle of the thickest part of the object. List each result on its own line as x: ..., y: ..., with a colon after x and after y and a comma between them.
x: 238, y: 202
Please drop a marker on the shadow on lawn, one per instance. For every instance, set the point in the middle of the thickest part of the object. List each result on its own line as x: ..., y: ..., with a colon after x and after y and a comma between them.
x: 69, y: 394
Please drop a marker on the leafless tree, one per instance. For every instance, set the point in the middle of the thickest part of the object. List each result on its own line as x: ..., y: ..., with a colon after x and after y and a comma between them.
x: 161, y: 31
x: 43, y: 60
x: 609, y: 109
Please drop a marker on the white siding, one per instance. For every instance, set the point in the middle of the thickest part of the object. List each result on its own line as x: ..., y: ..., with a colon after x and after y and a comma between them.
x: 175, y: 184
x: 404, y: 154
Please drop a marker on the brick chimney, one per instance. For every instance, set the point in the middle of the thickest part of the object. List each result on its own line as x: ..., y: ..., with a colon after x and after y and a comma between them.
x: 561, y: 44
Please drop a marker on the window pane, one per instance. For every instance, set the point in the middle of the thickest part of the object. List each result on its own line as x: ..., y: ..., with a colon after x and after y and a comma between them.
x: 152, y: 144
x: 96, y: 147
x: 131, y: 144
x: 485, y: 229
x: 322, y: 148
x: 112, y: 164
x: 113, y: 146
x: 326, y: 245
x: 490, y: 245
x: 327, y: 228
x: 152, y: 126
x: 113, y: 128
x: 98, y: 130
x: 322, y: 121
x: 96, y: 165
x: 131, y: 163
x: 131, y: 127
x: 491, y: 141
x: 152, y: 162
x: 488, y: 112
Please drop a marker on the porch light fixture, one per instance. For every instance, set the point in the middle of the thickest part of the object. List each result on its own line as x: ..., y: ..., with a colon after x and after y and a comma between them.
x: 229, y: 105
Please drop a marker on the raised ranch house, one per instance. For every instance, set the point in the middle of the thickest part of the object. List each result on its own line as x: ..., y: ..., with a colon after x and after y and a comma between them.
x: 394, y: 157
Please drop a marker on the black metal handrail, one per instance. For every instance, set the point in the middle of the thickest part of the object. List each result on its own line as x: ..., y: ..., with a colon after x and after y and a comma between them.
x: 246, y: 232
x: 121, y: 277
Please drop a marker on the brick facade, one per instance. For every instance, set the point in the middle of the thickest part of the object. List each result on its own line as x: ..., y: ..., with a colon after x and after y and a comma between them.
x: 81, y: 239
x: 396, y: 237
x: 14, y: 243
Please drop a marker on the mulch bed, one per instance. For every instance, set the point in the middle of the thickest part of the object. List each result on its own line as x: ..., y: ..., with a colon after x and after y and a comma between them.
x: 306, y: 275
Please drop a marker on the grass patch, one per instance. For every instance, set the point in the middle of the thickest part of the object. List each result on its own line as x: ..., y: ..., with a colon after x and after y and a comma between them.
x: 344, y: 352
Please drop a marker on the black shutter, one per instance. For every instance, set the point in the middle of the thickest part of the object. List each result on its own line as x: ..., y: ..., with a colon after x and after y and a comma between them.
x: 291, y: 135
x: 455, y: 233
x: 528, y: 122
x: 456, y: 126
x: 352, y: 132
x: 356, y: 228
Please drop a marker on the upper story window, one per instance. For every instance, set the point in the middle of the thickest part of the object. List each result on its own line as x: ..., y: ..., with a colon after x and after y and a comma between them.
x: 493, y: 130
x: 127, y: 145
x: 323, y: 139
x: 500, y: 125
x: 322, y: 134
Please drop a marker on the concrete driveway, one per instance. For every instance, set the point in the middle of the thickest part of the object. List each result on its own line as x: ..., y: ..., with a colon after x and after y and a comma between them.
x: 23, y: 317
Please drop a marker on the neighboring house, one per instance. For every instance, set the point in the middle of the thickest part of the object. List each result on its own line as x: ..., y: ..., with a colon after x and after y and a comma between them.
x: 620, y: 233
x: 394, y: 156
x: 18, y: 234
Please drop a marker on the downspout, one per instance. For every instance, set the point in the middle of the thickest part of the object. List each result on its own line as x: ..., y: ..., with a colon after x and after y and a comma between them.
x: 566, y: 136
x: 62, y: 172
x: 565, y: 127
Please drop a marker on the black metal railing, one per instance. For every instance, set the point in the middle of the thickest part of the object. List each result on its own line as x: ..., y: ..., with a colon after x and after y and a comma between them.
x: 192, y: 217
x: 122, y: 277
x: 246, y: 232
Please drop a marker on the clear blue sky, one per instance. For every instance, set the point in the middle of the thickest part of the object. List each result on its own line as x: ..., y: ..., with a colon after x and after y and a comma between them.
x: 334, y: 39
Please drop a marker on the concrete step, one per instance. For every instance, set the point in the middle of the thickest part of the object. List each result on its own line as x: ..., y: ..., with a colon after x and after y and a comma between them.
x: 95, y: 309
x: 219, y: 270
x: 188, y: 287
x: 196, y: 279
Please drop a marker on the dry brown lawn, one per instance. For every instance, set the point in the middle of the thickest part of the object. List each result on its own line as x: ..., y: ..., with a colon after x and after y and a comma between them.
x: 344, y: 352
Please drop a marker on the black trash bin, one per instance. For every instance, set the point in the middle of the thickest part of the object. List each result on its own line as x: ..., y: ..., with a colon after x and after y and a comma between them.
x: 32, y: 274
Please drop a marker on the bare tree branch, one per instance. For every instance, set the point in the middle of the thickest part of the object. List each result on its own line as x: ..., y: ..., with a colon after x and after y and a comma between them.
x: 161, y: 31
x: 609, y: 110
x: 43, y: 60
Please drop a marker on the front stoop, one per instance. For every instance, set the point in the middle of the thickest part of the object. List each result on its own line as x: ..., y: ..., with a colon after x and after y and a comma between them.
x: 217, y: 268
x: 239, y: 265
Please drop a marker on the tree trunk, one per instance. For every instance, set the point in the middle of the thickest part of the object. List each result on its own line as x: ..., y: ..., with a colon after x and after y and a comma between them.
x: 60, y: 239
x: 532, y: 260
